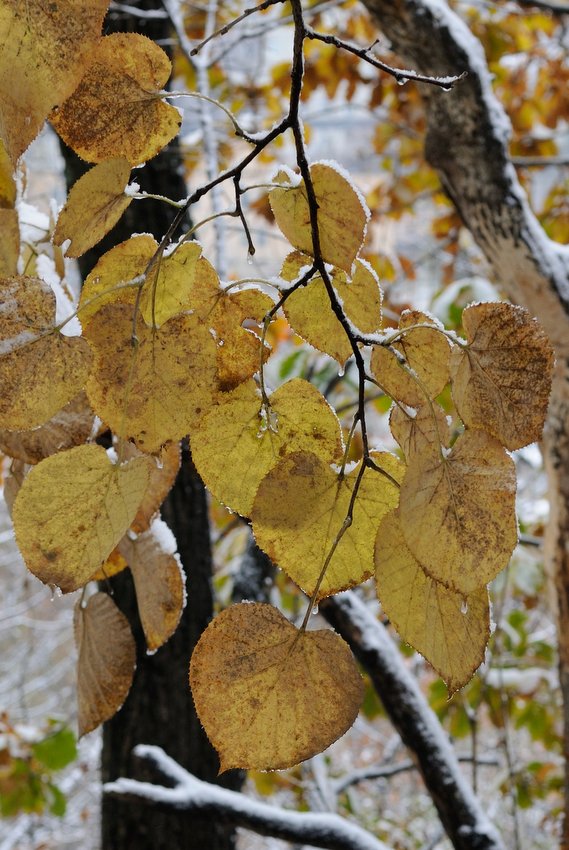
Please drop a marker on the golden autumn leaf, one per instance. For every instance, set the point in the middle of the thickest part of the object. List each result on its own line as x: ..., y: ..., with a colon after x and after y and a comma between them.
x: 449, y: 629
x: 44, y: 50
x: 159, y: 581
x: 418, y: 431
x: 239, y: 347
x: 300, y: 508
x: 360, y: 295
x: 9, y: 243
x: 40, y: 368
x: 420, y: 368
x: 458, y: 511
x: 310, y: 315
x: 118, y: 110
x: 71, y: 426
x: 111, y: 279
x: 156, y: 390
x: 95, y: 204
x: 106, y: 662
x: 8, y: 189
x: 237, y: 443
x: 502, y: 379
x: 72, y: 510
x: 287, y: 695
x: 342, y: 214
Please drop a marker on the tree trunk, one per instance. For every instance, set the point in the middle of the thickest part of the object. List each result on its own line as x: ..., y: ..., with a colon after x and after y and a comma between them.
x: 159, y: 708
x: 467, y: 142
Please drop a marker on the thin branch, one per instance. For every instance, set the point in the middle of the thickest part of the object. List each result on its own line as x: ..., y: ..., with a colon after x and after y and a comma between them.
x: 539, y: 161
x: 227, y: 27
x: 192, y: 794
x: 399, y: 74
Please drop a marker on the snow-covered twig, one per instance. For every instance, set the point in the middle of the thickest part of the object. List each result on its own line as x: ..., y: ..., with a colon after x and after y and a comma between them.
x: 192, y: 794
x: 464, y: 819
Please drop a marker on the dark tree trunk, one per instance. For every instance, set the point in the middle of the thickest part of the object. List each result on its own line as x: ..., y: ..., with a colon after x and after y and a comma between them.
x: 159, y: 709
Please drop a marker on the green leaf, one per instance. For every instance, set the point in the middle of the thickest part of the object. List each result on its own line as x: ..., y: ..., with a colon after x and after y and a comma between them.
x: 57, y: 750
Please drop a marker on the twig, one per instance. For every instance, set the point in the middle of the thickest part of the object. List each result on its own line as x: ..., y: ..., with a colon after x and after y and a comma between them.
x: 227, y: 27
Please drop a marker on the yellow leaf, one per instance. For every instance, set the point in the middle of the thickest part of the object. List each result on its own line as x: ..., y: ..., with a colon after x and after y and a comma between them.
x: 236, y: 444
x: 300, y: 508
x: 458, y: 511
x: 95, y: 204
x: 287, y: 695
x: 7, y: 182
x: 44, y: 50
x: 72, y: 510
x: 422, y: 352
x: 360, y: 296
x: 108, y: 282
x: 450, y: 630
x: 342, y: 215
x: 310, y: 314
x: 157, y: 390
x: 9, y: 243
x: 501, y: 381
x: 107, y: 658
x: 70, y: 427
x: 117, y: 110
x: 40, y: 369
x: 159, y: 581
x: 239, y: 348
x: 114, y: 565
x: 418, y: 431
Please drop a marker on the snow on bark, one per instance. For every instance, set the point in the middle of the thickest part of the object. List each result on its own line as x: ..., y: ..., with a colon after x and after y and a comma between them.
x: 465, y: 821
x: 192, y: 794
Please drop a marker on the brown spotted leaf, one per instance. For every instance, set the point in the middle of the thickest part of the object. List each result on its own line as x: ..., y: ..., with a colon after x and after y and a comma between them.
x: 419, y: 431
x: 44, y: 50
x: 450, y: 630
x: 40, y: 368
x: 458, y: 511
x: 117, y: 110
x: 107, y: 658
x: 287, y: 695
x: 502, y: 379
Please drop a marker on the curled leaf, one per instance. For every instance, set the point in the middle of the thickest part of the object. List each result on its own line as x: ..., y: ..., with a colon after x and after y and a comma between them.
x: 287, y: 694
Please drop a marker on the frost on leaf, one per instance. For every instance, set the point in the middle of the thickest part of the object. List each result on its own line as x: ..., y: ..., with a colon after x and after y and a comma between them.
x: 422, y: 368
x: 342, y: 215
x: 458, y: 511
x: 501, y: 381
x: 449, y: 629
x: 156, y: 390
x: 300, y: 509
x: 287, y: 695
x: 70, y: 427
x: 44, y: 50
x: 237, y: 443
x: 40, y: 369
x: 107, y: 658
x: 72, y: 510
x: 420, y: 430
x: 158, y: 581
x: 108, y: 282
x: 95, y: 204
x: 117, y: 110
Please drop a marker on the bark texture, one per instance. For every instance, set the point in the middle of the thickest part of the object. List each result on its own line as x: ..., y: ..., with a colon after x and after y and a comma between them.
x: 467, y: 143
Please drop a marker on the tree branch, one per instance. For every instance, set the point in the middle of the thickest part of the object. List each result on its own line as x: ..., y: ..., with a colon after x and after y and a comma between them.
x: 193, y: 795
x: 465, y: 822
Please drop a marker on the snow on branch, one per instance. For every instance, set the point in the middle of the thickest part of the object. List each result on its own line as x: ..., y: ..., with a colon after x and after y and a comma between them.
x: 194, y: 795
x: 461, y: 813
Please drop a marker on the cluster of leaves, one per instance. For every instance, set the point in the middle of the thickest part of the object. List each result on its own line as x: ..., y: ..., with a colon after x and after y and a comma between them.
x: 166, y: 350
x: 29, y: 756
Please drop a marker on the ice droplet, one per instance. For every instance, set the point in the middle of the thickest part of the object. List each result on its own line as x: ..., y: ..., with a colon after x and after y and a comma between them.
x: 464, y: 607
x: 401, y: 81
x: 249, y: 259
